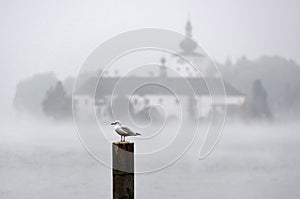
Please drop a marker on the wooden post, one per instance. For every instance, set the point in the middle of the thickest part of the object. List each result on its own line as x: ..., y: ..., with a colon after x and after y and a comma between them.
x: 123, y: 170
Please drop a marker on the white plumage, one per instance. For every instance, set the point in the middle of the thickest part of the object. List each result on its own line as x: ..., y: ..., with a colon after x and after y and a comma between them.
x: 123, y: 131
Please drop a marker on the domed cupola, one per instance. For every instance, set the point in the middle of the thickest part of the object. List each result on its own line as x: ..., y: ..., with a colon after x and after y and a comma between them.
x: 188, y: 45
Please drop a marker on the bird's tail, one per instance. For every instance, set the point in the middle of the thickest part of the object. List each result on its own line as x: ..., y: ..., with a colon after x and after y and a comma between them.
x: 138, y: 134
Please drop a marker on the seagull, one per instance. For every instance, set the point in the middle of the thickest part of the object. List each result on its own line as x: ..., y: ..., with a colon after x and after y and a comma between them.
x: 123, y: 131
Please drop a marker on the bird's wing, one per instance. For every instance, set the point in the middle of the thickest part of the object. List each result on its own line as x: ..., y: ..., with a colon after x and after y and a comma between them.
x: 127, y: 130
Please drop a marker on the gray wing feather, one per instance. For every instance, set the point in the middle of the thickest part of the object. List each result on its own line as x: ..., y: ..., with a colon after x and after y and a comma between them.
x: 127, y: 130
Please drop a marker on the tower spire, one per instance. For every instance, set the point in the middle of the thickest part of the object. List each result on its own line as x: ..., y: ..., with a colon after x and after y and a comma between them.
x: 188, y: 27
x: 188, y: 45
x: 163, y: 68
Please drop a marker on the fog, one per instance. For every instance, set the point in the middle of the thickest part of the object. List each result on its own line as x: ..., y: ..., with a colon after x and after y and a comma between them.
x: 58, y: 36
x: 42, y: 160
x: 255, y: 45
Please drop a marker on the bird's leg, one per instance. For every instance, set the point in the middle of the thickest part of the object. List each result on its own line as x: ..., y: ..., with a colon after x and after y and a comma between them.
x: 124, y: 138
x: 121, y: 138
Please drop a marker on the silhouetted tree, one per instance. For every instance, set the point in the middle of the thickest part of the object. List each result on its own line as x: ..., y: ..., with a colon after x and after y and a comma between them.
x: 31, y: 92
x: 56, y: 103
x: 259, y: 106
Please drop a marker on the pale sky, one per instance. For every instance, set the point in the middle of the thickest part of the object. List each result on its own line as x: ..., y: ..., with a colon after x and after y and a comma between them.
x: 38, y: 36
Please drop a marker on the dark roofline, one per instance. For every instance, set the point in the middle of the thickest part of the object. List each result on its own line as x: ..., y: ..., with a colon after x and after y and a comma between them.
x: 178, y: 85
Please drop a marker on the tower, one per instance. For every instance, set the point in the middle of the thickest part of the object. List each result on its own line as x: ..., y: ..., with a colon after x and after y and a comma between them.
x: 188, y: 45
x: 163, y: 68
x: 190, y: 50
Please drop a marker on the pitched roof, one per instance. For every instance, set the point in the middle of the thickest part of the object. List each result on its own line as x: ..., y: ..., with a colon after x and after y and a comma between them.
x: 155, y: 86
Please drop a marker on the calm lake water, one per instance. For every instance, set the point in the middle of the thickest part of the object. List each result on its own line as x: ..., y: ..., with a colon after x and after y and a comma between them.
x: 42, y: 160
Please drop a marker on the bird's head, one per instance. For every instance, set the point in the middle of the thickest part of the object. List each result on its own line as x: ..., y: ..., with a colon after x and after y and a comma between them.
x: 115, y: 123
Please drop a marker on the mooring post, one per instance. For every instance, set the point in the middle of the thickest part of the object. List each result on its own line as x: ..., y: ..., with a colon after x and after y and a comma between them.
x: 123, y: 170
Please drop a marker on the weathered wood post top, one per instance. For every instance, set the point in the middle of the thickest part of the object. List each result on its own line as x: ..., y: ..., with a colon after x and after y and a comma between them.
x: 123, y: 170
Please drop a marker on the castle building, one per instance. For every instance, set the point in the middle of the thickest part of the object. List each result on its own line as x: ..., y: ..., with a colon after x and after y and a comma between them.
x: 172, y: 93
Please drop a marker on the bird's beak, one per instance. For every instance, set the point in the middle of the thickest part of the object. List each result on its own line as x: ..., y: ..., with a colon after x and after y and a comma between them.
x: 112, y: 123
